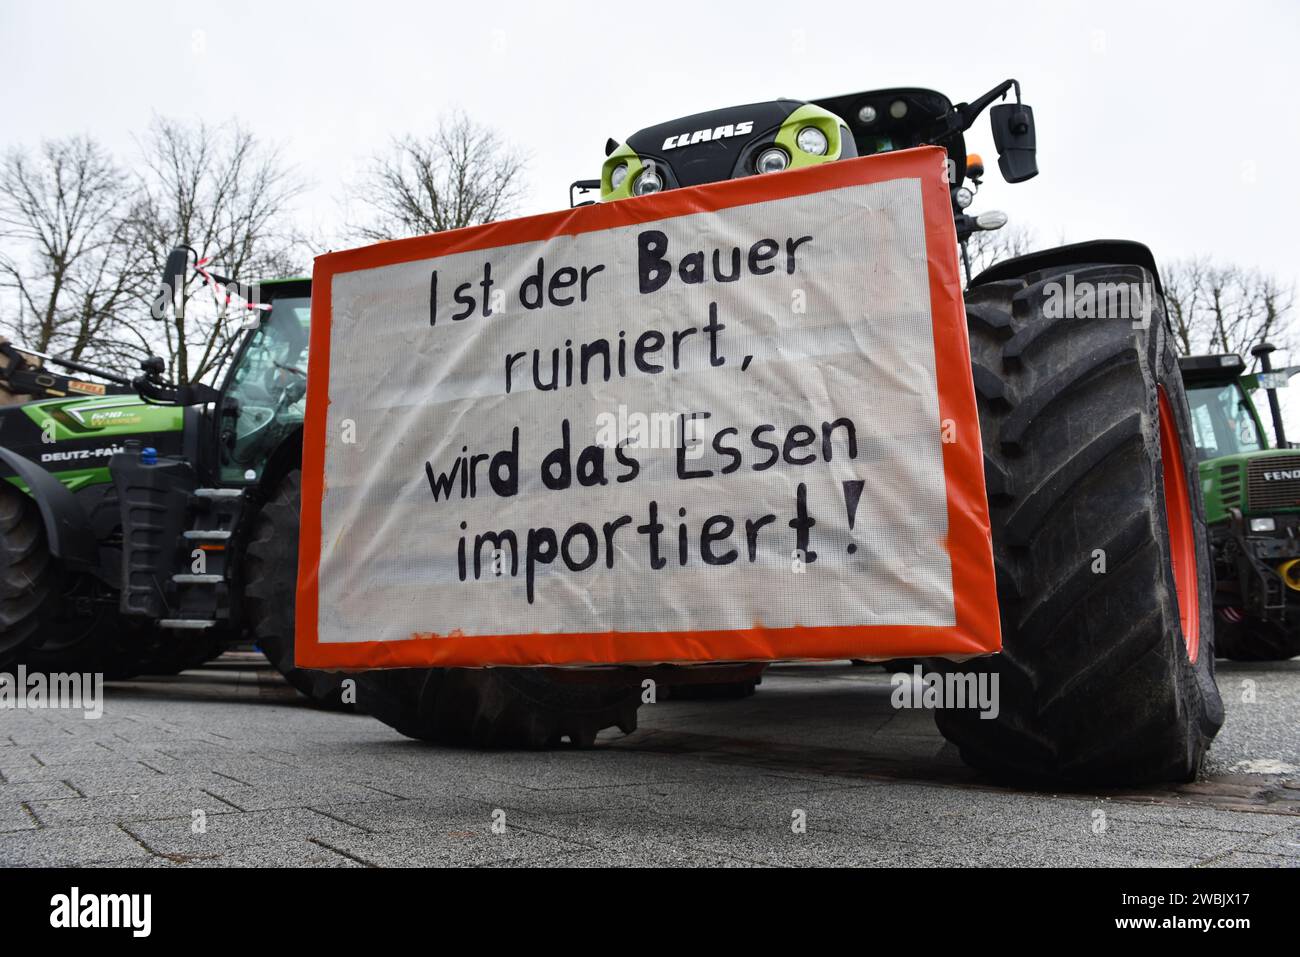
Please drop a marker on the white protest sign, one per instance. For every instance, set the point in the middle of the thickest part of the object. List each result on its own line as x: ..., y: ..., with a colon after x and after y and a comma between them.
x: 722, y: 428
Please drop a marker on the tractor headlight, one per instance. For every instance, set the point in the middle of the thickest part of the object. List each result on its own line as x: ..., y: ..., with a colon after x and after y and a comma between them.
x: 647, y: 182
x: 771, y: 160
x: 617, y: 175
x: 812, y: 141
x: 964, y: 197
x: 1263, y: 525
x: 867, y: 115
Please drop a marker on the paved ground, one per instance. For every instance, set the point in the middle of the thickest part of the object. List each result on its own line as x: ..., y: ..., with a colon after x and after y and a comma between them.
x: 225, y: 766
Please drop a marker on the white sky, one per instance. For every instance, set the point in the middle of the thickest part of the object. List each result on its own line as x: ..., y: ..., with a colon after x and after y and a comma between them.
x: 1171, y: 123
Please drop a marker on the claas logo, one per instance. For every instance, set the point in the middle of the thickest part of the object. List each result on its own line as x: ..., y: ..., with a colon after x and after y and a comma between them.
x: 743, y: 128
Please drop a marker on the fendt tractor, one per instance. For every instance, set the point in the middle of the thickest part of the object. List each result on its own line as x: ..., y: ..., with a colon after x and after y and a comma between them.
x: 1087, y: 440
x: 1252, y: 504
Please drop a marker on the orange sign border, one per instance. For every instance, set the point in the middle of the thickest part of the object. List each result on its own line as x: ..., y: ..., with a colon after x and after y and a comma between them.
x: 969, y: 544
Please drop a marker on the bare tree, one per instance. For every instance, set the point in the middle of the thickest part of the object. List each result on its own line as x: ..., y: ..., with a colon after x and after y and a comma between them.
x: 462, y: 174
x: 988, y: 247
x: 219, y: 190
x: 69, y: 257
x: 1222, y: 307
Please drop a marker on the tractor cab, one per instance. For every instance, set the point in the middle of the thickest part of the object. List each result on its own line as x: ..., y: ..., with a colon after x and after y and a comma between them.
x: 263, y: 397
x: 1224, y: 419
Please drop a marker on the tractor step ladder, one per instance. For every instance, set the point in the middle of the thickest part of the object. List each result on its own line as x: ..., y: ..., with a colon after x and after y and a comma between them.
x: 200, y: 585
x: 218, y: 492
x: 207, y: 535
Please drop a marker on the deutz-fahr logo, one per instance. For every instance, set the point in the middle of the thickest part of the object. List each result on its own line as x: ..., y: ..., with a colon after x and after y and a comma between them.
x: 81, y: 455
x: 1282, y: 475
x: 704, y: 136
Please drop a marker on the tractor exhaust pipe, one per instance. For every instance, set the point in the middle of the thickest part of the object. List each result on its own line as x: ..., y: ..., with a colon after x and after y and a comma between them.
x: 1262, y: 353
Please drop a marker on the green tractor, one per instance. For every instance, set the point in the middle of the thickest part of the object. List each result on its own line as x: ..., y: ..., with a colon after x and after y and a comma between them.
x: 148, y: 520
x: 1252, y: 504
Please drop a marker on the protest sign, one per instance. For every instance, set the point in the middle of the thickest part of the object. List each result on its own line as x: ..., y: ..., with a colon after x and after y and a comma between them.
x: 731, y: 422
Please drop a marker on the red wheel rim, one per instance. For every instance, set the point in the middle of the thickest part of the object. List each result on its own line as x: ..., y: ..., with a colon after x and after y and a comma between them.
x: 1182, y: 533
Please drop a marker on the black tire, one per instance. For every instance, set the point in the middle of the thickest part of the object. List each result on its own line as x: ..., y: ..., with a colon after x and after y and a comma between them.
x: 1255, y: 640
x: 270, y: 589
x: 84, y: 632
x: 1096, y: 682
x: 496, y: 707
x: 30, y: 584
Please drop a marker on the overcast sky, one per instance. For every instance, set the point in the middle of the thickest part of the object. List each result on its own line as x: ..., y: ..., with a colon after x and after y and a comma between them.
x: 1175, y: 124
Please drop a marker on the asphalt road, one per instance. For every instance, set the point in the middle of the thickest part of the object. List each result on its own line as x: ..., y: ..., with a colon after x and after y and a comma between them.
x: 225, y: 766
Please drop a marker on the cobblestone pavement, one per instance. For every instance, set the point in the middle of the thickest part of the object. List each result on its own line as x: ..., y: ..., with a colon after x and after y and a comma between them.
x: 226, y: 766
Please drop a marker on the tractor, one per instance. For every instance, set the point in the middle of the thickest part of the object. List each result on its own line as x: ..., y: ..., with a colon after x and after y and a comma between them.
x: 1252, y: 503
x: 142, y: 517
x: 1098, y: 523
x: 1107, y: 670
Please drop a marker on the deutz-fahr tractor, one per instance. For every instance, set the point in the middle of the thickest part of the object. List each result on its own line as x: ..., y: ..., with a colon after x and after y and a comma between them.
x: 145, y: 525
x: 1252, y: 503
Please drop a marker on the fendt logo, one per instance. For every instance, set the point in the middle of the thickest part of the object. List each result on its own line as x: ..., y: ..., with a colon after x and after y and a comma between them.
x: 705, y: 136
x: 1282, y: 475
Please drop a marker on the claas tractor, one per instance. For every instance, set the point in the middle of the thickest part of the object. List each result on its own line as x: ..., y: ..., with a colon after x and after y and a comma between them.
x: 1098, y: 523
x: 1252, y: 501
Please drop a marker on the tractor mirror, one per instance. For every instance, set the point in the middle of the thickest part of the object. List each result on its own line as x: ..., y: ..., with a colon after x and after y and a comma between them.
x: 1013, y: 135
x: 581, y: 188
x: 173, y: 278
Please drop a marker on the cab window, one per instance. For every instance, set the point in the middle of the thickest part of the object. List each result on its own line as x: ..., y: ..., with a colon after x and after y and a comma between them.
x: 268, y: 390
x: 1222, y: 421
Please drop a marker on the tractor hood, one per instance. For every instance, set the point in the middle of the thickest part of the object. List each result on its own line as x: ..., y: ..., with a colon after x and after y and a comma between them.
x: 721, y: 144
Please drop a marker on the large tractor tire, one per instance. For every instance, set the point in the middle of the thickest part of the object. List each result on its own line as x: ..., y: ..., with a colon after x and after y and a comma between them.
x: 270, y: 590
x: 30, y: 584
x: 496, y: 707
x: 1250, y: 639
x: 1104, y: 576
x: 83, y: 632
